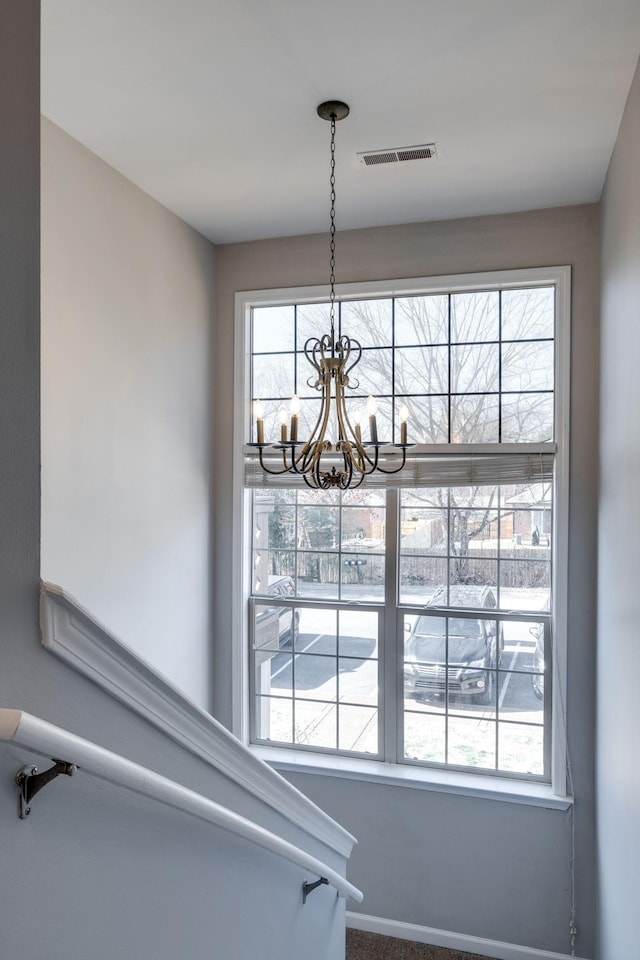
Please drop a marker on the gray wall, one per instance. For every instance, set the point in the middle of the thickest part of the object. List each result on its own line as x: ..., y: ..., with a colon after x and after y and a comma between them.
x: 96, y: 872
x: 127, y: 306
x: 478, y: 867
x: 618, y: 714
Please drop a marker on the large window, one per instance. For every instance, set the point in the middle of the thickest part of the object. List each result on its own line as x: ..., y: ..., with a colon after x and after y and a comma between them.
x: 415, y: 623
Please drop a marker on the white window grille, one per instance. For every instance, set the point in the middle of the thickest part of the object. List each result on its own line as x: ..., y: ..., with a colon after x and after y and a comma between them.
x: 420, y: 622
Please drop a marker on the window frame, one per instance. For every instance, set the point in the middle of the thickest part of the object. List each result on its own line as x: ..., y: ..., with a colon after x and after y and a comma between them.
x: 560, y: 278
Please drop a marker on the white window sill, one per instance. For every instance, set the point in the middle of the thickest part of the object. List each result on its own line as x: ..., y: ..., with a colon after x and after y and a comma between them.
x: 421, y: 778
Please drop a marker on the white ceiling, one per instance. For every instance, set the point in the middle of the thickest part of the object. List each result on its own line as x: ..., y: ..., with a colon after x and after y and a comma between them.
x: 209, y: 105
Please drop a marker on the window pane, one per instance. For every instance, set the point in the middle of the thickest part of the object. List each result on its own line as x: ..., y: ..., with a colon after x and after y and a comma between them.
x: 419, y: 577
x: 474, y: 419
x: 266, y: 632
x: 526, y: 534
x: 308, y: 417
x: 318, y: 575
x: 465, y: 570
x: 273, y: 377
x: 362, y: 577
x: 273, y: 329
x: 367, y: 321
x: 275, y: 520
x: 527, y: 583
x: 424, y: 737
x: 527, y: 418
x: 422, y: 370
x: 317, y: 630
x: 527, y: 366
x: 315, y: 677
x: 518, y: 700
x: 363, y: 528
x: 474, y: 317
x: 358, y: 633
x: 361, y: 497
x: 421, y: 320
x: 305, y: 372
x: 274, y: 674
x: 358, y: 681
x: 373, y: 375
x: 474, y: 368
x: 312, y: 320
x: 316, y: 724
x: 528, y: 314
x: 521, y: 749
x: 428, y: 420
x: 472, y: 743
x: 318, y: 527
x: 274, y: 719
x: 358, y: 729
x: 523, y: 646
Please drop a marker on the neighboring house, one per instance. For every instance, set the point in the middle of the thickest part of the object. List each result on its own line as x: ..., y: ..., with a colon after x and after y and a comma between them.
x: 134, y: 886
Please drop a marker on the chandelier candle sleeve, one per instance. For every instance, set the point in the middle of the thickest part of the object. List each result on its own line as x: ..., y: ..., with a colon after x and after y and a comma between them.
x: 404, y: 416
x: 356, y: 423
x: 373, y: 426
x: 295, y: 410
x: 258, y: 412
x: 283, y: 426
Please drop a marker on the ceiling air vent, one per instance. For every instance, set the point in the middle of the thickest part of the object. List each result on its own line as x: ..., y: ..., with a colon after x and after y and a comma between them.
x: 422, y: 151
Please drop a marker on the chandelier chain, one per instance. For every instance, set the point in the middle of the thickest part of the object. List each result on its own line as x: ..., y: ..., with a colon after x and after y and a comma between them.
x: 332, y: 244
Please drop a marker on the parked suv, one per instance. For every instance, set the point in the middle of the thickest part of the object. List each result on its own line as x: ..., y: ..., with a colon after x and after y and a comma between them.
x: 474, y: 649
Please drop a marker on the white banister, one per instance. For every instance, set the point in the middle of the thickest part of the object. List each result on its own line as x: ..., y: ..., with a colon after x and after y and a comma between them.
x: 32, y: 733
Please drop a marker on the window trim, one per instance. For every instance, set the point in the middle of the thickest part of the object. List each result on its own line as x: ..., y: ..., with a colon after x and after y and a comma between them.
x: 560, y: 277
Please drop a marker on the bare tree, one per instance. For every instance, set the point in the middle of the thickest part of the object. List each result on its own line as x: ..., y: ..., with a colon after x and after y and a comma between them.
x: 473, y: 367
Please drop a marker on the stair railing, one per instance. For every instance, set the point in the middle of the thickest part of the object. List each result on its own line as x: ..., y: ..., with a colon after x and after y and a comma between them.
x: 32, y: 733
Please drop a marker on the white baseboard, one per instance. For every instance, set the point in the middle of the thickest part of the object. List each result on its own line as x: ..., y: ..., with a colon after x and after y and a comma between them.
x: 453, y: 941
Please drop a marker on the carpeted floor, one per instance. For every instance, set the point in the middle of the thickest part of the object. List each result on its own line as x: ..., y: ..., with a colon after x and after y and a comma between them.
x: 371, y: 946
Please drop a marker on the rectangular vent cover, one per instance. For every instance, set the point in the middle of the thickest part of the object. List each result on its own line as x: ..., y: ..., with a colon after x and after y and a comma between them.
x: 422, y: 151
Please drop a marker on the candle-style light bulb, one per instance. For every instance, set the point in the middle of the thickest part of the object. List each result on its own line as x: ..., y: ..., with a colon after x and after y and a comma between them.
x: 404, y: 416
x: 295, y: 410
x: 357, y: 417
x: 258, y: 412
x: 283, y: 426
x: 372, y: 406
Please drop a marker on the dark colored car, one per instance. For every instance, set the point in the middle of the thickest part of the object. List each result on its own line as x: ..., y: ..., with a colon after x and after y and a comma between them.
x: 472, y: 644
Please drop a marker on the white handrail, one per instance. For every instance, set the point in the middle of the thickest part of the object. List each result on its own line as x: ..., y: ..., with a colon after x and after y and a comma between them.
x: 44, y: 738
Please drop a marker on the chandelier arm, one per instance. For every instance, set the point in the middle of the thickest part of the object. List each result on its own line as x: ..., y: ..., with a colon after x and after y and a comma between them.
x: 325, y: 409
x: 315, y: 432
x: 373, y: 462
x: 348, y: 462
x: 397, y: 469
x: 347, y: 429
x: 358, y: 483
x: 354, y: 345
x: 274, y: 473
